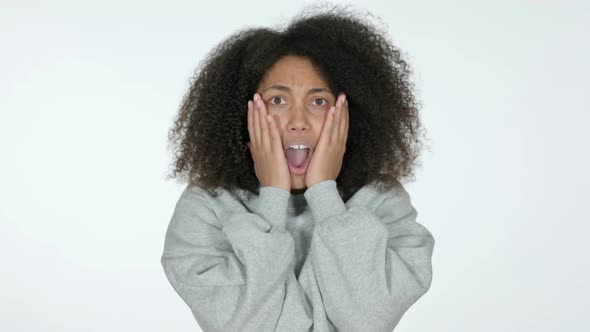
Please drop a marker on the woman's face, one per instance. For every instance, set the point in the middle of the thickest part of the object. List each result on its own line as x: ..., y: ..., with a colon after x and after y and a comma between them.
x: 298, y: 99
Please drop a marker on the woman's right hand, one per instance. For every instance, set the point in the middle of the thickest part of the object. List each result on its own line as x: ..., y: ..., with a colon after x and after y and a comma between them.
x: 266, y: 147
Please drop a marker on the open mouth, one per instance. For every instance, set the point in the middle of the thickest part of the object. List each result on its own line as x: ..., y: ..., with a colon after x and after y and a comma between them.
x: 301, y: 169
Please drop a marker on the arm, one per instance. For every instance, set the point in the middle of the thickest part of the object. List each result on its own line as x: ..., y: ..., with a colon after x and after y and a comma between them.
x: 370, y: 266
x: 233, y: 277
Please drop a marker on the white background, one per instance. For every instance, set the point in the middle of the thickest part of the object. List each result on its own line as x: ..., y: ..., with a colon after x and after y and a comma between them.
x: 88, y: 91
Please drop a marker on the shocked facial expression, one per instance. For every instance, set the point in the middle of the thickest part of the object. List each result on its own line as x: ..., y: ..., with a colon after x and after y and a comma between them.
x: 298, y: 98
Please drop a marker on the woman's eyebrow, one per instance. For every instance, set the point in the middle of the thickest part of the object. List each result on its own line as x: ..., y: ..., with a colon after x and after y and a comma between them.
x: 286, y: 89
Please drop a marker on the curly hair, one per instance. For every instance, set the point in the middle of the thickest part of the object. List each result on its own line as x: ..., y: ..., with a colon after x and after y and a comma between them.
x: 209, y: 135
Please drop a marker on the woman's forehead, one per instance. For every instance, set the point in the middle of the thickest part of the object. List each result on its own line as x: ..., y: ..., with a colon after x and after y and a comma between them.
x: 292, y: 73
x: 296, y: 89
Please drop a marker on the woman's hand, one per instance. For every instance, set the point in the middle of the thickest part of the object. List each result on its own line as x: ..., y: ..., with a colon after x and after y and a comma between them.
x: 326, y: 161
x: 266, y: 147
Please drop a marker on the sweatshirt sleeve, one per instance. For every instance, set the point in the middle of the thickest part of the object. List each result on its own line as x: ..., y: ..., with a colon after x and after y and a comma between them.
x: 233, y: 277
x: 371, y: 264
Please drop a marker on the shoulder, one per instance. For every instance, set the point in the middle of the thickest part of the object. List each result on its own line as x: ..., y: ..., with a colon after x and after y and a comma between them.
x: 192, y: 208
x: 191, y: 200
x: 196, y: 221
x: 210, y: 205
x: 376, y: 194
x: 194, y: 194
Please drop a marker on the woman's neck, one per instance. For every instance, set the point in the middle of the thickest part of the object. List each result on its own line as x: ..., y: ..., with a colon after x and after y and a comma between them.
x: 298, y: 191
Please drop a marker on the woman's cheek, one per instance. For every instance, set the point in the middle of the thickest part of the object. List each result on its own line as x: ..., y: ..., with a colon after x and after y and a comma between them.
x: 279, y: 122
x: 272, y: 109
x: 319, y: 110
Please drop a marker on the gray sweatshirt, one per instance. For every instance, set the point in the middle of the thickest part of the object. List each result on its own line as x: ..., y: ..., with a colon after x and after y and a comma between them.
x: 306, y: 262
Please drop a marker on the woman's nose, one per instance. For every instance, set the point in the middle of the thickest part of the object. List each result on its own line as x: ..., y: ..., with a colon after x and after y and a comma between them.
x: 298, y: 120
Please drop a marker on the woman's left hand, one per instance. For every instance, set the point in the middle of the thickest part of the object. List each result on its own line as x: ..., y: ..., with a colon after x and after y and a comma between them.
x: 326, y: 161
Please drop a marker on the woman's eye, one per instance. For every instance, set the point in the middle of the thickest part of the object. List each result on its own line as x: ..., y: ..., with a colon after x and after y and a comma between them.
x: 276, y: 100
x: 323, y: 102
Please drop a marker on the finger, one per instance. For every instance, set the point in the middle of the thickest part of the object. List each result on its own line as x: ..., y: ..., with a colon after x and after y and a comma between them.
x: 258, y: 136
x: 277, y: 145
x: 326, y: 134
x: 265, y: 140
x: 343, y: 122
x: 346, y: 123
x: 250, y: 123
x: 337, y: 118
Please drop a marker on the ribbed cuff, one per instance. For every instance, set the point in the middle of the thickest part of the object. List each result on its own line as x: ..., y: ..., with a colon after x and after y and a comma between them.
x: 324, y: 200
x: 272, y: 205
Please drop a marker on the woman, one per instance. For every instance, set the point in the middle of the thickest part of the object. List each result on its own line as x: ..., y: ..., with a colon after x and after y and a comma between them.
x: 293, y: 143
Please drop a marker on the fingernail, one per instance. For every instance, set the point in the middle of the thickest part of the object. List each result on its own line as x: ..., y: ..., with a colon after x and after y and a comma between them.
x: 255, y: 97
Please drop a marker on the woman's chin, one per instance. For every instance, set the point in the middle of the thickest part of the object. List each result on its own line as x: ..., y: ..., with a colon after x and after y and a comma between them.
x: 298, y: 181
